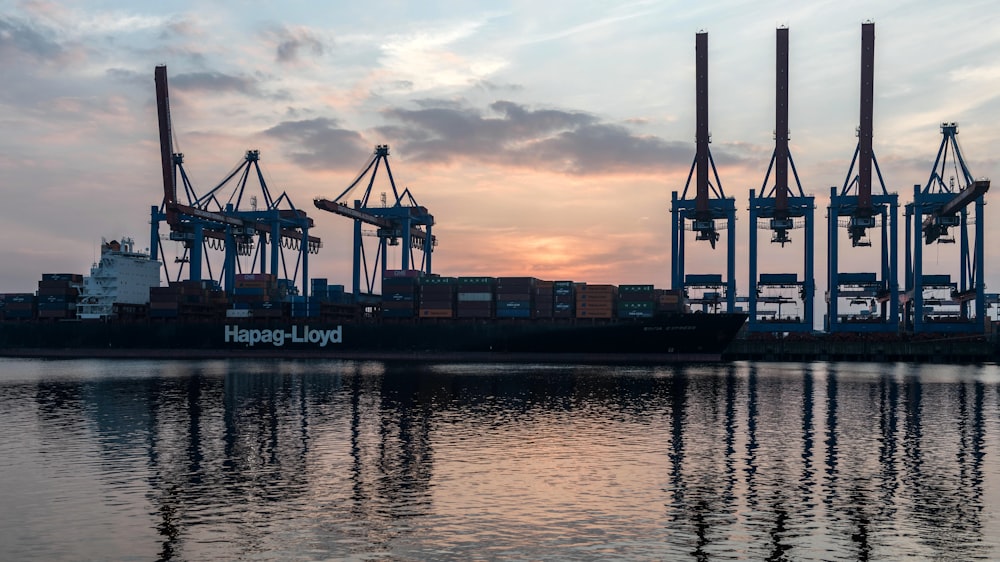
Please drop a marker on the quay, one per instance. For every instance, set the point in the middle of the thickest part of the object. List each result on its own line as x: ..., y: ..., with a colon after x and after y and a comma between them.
x: 928, y: 348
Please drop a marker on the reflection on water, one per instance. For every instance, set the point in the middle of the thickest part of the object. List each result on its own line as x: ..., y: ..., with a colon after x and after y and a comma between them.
x: 312, y: 460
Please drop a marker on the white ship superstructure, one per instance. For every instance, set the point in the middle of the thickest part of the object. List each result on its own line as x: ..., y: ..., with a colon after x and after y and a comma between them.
x: 122, y: 276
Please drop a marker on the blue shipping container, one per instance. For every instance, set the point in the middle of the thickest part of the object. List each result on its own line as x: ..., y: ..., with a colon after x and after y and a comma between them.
x: 514, y: 313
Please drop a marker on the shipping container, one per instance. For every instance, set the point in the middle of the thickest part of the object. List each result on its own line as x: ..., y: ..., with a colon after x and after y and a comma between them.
x: 396, y: 273
x: 199, y: 285
x: 636, y: 293
x: 55, y: 298
x: 62, y: 284
x: 475, y: 297
x: 163, y: 313
x: 585, y: 289
x: 513, y: 305
x: 450, y: 305
x: 598, y: 312
x: 514, y: 313
x: 479, y: 307
x: 398, y: 313
x: 431, y: 280
x: 543, y: 310
x: 515, y: 285
x: 563, y: 288
x: 477, y: 281
x: 635, y: 288
x: 400, y: 304
x: 399, y: 282
x: 71, y: 277
x: 262, y: 285
x: 436, y: 313
x: 58, y: 295
x: 474, y: 313
x: 267, y: 277
x: 19, y: 298
x: 636, y: 309
x: 439, y: 293
x: 515, y: 295
x: 249, y: 291
x: 54, y: 314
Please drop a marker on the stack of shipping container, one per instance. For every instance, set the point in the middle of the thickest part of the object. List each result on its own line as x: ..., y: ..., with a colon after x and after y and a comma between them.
x: 563, y: 299
x: 17, y: 307
x: 325, y: 302
x: 475, y: 297
x: 309, y: 306
x: 437, y: 297
x: 543, y: 299
x: 337, y: 306
x: 57, y: 295
x: 406, y: 294
x: 515, y: 296
x: 596, y: 301
x: 636, y: 301
x: 669, y: 300
x: 189, y: 300
x: 261, y: 295
x: 164, y: 302
x: 399, y: 293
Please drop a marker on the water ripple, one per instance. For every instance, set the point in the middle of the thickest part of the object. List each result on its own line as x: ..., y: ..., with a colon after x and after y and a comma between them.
x: 364, y: 461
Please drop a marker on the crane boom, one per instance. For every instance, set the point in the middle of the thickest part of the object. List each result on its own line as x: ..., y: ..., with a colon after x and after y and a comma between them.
x: 166, y: 141
x: 367, y: 218
x: 965, y: 197
x: 937, y: 222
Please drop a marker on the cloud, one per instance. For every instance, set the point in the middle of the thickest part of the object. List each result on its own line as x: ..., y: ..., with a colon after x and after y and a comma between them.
x: 180, y: 27
x: 110, y: 23
x: 293, y: 41
x: 211, y: 81
x: 20, y: 39
x: 439, y: 56
x: 321, y: 144
x: 489, y: 86
x: 562, y: 141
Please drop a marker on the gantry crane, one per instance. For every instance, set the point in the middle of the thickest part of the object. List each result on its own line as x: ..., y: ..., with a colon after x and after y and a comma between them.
x: 206, y: 222
x: 398, y: 224
x: 938, y: 207
x: 780, y: 207
x: 878, y: 295
x: 709, y: 204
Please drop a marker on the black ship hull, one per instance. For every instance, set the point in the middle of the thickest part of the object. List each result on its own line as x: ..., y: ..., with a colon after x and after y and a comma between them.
x: 671, y: 337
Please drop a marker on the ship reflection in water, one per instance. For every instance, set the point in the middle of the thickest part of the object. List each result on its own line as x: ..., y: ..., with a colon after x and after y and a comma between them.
x: 312, y: 460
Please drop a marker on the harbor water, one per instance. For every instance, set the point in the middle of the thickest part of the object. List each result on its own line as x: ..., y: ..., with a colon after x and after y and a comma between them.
x: 320, y: 460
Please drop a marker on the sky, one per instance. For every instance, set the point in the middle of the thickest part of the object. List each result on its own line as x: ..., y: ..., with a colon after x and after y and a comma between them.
x: 545, y: 137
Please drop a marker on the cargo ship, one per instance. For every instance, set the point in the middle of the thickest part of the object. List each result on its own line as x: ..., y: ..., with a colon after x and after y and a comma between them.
x: 121, y: 311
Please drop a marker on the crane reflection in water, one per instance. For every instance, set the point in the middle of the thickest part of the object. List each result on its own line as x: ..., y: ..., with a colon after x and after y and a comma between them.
x: 306, y: 459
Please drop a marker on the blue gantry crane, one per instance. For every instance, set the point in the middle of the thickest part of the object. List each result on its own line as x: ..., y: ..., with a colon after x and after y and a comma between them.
x: 873, y: 296
x: 206, y: 222
x: 780, y: 209
x: 401, y: 222
x: 936, y: 303
x: 709, y: 290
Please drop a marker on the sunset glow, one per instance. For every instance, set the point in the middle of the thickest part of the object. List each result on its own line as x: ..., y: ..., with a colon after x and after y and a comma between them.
x: 544, y: 138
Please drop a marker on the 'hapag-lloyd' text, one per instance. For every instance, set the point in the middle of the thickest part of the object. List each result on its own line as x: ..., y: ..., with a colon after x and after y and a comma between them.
x: 277, y: 337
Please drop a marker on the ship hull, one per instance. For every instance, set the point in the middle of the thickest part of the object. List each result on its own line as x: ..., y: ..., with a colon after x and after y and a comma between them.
x: 678, y: 337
